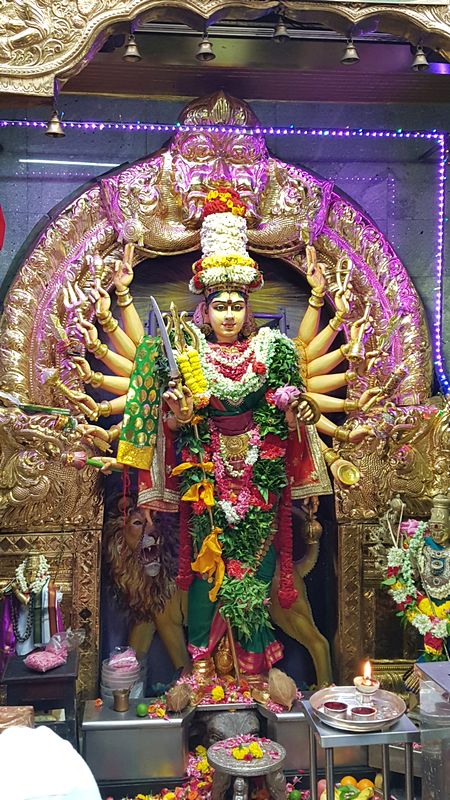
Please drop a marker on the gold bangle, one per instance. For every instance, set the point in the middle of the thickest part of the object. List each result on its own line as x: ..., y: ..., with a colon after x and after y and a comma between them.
x: 316, y: 302
x: 113, y: 433
x: 342, y: 435
x: 122, y: 292
x: 317, y: 292
x: 124, y: 301
x: 336, y: 322
x: 96, y: 379
x: 105, y: 317
x: 110, y: 326
x: 350, y: 405
x: 184, y: 421
x: 98, y: 349
x: 104, y: 408
x: 330, y: 456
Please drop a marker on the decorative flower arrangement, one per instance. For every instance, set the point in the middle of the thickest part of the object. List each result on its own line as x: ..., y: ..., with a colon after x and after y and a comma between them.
x: 191, y: 370
x: 404, y: 560
x: 249, y: 500
x: 224, y: 198
x: 157, y: 710
x: 222, y: 690
x: 42, y: 576
x: 247, y: 752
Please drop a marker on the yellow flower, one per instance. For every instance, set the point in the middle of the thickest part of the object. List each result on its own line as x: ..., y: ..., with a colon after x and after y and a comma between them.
x: 217, y: 693
x: 255, y: 750
x: 239, y: 753
x: 160, y: 712
x: 170, y: 796
x: 203, y: 766
x: 435, y: 610
x: 200, y: 750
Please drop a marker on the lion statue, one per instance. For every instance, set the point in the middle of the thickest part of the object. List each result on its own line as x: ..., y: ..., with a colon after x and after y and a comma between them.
x: 140, y: 557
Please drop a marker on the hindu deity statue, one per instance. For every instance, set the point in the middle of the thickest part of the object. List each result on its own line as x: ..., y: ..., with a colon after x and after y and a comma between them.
x: 31, y: 612
x: 418, y: 576
x: 225, y: 431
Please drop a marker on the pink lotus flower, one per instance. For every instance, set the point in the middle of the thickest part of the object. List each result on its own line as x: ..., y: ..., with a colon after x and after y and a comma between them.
x: 285, y: 395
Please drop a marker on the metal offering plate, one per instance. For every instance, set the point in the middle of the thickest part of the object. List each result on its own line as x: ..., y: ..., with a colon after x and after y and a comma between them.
x: 389, y: 708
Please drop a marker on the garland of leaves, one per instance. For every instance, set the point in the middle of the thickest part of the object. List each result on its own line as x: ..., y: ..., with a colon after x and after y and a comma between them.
x: 243, y: 597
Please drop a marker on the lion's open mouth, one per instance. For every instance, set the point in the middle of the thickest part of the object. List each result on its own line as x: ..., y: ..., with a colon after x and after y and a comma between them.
x: 149, y: 555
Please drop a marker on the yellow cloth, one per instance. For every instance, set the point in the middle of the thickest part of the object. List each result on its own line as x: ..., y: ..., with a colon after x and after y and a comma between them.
x: 210, y: 562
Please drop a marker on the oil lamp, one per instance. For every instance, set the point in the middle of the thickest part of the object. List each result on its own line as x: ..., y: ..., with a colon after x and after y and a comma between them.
x: 364, y: 683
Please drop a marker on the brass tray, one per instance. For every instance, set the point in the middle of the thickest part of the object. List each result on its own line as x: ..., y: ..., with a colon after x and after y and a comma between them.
x: 389, y: 708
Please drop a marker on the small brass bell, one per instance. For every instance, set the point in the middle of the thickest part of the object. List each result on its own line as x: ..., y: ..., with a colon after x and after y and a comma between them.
x: 205, y: 51
x: 420, y: 62
x: 280, y: 33
x: 350, y: 55
x: 54, y: 127
x: 131, y: 53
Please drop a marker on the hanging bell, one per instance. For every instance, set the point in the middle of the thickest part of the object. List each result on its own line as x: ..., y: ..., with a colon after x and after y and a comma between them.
x: 280, y: 33
x: 350, y: 55
x: 131, y: 53
x: 205, y: 51
x: 54, y: 127
x: 420, y: 62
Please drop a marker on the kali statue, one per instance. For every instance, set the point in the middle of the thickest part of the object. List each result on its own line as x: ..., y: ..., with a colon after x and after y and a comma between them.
x: 222, y: 420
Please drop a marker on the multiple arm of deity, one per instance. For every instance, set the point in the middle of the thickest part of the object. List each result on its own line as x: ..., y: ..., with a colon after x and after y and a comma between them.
x: 313, y: 344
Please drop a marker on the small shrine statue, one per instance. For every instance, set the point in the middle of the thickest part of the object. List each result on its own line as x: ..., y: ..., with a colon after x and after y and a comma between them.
x: 418, y: 576
x: 31, y: 612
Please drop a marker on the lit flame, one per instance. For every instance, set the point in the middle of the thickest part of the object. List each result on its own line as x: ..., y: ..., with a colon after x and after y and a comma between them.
x: 367, y: 674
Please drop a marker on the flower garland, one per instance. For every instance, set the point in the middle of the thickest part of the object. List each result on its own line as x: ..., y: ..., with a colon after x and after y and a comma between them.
x: 432, y: 620
x: 42, y: 576
x: 259, y: 351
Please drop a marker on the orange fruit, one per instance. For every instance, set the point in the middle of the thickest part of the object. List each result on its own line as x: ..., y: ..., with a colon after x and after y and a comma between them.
x: 365, y: 784
x: 349, y: 780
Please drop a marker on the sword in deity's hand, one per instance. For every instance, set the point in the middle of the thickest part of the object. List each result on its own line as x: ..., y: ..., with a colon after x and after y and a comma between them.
x: 173, y: 366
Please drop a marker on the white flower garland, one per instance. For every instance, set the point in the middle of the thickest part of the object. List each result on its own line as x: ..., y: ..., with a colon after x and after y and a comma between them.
x: 402, y: 587
x: 223, y: 388
x: 42, y: 576
x: 223, y: 233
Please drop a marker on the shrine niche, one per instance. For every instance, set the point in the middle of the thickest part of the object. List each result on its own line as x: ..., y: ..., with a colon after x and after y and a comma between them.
x: 151, y: 211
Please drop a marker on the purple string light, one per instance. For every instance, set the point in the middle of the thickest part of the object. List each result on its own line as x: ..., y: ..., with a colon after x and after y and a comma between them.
x: 439, y: 137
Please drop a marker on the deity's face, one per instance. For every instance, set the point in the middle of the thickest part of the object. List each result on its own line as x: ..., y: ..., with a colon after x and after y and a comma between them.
x: 201, y: 161
x: 226, y: 315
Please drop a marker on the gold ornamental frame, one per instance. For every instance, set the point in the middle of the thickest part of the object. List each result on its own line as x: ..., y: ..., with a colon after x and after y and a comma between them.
x: 40, y: 497
x: 43, y: 44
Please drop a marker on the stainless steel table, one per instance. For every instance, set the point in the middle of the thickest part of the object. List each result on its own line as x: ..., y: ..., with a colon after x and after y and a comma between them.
x: 330, y: 738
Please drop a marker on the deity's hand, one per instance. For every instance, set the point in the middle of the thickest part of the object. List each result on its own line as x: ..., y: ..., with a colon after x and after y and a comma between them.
x: 304, y: 410
x: 108, y: 463
x: 91, y: 432
x: 361, y: 432
x: 368, y: 395
x: 334, y: 468
x: 173, y: 397
x: 85, y: 403
x: 123, y: 270
x: 82, y: 367
x: 314, y: 273
x: 100, y: 297
x: 342, y: 300
x: 88, y: 331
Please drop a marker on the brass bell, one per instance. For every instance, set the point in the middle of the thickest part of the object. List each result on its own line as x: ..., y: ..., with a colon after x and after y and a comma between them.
x: 420, y: 62
x: 205, y: 51
x: 54, y: 127
x: 131, y: 53
x: 350, y: 55
x: 280, y: 33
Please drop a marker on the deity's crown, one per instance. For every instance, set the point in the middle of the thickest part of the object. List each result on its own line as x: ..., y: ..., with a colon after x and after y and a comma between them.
x: 225, y: 264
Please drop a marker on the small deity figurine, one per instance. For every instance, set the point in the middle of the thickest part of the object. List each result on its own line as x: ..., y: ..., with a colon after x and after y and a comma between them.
x: 31, y: 612
x: 236, y: 441
x: 418, y: 576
